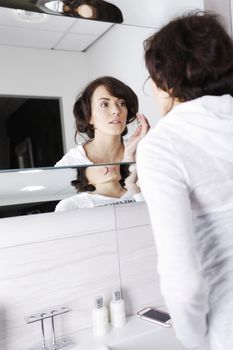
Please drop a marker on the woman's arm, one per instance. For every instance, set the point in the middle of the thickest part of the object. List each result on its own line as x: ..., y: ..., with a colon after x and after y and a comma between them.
x: 165, y: 188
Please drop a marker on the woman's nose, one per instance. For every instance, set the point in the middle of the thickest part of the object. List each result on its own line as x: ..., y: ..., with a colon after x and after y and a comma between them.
x: 115, y: 110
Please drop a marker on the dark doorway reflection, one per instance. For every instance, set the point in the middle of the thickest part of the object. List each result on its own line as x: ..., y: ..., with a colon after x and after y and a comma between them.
x: 27, y: 209
x: 30, y: 132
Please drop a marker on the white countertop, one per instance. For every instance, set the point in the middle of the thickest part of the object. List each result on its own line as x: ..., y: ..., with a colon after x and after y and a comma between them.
x: 136, y: 334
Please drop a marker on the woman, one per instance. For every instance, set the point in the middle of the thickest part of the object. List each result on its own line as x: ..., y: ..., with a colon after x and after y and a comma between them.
x: 102, y: 112
x: 185, y: 169
x: 102, y: 185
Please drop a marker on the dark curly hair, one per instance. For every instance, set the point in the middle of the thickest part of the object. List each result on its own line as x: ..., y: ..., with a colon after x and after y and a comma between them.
x: 82, y: 106
x: 82, y: 184
x: 191, y: 56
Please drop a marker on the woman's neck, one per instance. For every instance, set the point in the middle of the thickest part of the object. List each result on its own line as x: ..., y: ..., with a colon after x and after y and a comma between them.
x: 110, y: 189
x: 101, y: 149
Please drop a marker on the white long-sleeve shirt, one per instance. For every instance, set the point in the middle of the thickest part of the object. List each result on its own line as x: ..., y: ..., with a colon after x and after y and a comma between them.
x: 75, y: 156
x: 91, y: 200
x: 185, y: 169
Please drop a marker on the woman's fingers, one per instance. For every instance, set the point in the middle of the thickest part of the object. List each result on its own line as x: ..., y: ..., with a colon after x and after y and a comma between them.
x: 142, y: 128
x: 139, y: 133
x: 143, y: 122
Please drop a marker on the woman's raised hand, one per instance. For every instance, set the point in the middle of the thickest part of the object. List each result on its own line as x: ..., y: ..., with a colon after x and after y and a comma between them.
x: 140, y: 132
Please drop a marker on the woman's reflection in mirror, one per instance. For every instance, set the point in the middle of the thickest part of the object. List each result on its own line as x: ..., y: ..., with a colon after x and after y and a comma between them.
x: 103, y: 185
x: 102, y: 112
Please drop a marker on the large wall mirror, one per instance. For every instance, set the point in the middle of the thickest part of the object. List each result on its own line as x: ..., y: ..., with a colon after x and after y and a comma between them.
x: 46, y: 60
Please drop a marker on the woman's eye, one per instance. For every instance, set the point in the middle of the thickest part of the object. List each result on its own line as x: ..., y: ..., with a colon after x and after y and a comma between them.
x: 104, y: 104
x: 122, y: 103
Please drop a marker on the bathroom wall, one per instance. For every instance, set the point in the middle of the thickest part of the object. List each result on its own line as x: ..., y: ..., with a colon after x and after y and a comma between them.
x: 65, y: 259
x: 225, y: 9
x: 137, y: 258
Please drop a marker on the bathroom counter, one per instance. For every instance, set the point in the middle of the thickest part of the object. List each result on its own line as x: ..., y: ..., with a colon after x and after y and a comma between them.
x: 135, y: 335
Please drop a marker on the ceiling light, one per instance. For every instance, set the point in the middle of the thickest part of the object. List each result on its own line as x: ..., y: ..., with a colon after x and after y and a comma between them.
x: 33, y: 188
x: 85, y: 11
x: 30, y: 17
x: 97, y: 10
x: 26, y: 171
x: 54, y: 5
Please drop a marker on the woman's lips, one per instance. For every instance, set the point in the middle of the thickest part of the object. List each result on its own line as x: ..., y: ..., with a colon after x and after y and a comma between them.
x: 115, y: 121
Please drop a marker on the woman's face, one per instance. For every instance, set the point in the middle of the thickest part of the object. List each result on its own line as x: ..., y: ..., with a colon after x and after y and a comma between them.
x: 103, y: 174
x: 109, y: 113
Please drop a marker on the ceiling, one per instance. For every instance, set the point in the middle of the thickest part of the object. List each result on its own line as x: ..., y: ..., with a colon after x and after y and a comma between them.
x: 73, y: 34
x: 36, y: 185
x: 52, y: 32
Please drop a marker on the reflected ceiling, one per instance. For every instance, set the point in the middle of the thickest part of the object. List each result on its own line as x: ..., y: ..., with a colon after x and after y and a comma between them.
x: 50, y: 32
x: 74, y: 34
x: 147, y: 13
x: 36, y: 185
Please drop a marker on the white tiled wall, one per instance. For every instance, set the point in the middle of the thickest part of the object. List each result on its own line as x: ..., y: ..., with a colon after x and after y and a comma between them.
x: 139, y: 278
x: 67, y: 258
x: 43, y: 227
x: 137, y: 258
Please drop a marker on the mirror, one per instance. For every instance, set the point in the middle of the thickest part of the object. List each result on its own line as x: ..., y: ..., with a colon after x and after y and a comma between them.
x: 37, y: 191
x: 55, y: 57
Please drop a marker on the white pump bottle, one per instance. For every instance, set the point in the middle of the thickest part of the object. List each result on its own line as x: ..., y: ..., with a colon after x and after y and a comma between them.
x: 99, y: 317
x: 117, y: 309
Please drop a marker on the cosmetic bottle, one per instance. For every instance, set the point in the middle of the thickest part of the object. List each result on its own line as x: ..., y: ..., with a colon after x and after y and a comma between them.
x: 117, y: 309
x: 99, y: 317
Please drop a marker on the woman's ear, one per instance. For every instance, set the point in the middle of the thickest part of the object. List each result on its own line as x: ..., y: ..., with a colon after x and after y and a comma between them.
x: 91, y: 126
x: 154, y: 87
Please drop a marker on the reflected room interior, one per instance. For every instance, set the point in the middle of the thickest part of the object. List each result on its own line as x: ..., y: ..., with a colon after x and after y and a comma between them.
x: 52, y: 57
x: 36, y: 191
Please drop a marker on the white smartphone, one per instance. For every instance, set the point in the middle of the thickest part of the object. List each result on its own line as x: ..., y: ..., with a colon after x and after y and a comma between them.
x: 156, y: 316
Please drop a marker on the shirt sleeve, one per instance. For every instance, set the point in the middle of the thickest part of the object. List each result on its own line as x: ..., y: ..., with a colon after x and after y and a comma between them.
x: 62, y: 162
x: 66, y: 204
x: 138, y: 197
x: 165, y: 188
x: 75, y: 156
